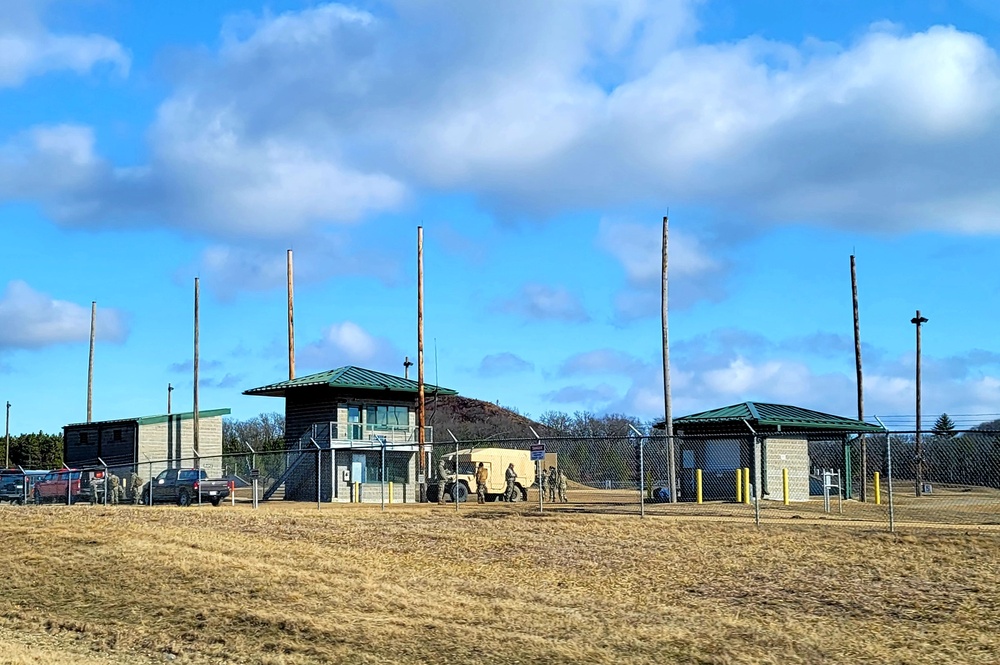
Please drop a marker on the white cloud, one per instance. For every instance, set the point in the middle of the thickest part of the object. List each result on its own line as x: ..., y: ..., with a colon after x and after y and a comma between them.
x: 497, y: 364
x: 732, y: 366
x: 695, y: 274
x: 347, y: 343
x: 540, y: 302
x: 331, y: 114
x: 251, y: 265
x: 33, y: 320
x: 28, y: 49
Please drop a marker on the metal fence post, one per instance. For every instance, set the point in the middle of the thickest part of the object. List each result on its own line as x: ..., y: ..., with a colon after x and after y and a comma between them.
x: 105, y: 465
x: 319, y: 474
x: 24, y: 485
x: 197, y: 461
x: 642, y: 471
x: 382, y: 440
x: 888, y: 462
x: 538, y: 464
x: 69, y: 485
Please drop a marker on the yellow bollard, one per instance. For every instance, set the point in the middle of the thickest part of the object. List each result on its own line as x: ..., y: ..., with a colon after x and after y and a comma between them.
x: 697, y: 484
x: 357, y: 492
x: 784, y: 484
x: 878, y: 491
x: 746, y: 485
x: 739, y: 485
x: 390, y: 491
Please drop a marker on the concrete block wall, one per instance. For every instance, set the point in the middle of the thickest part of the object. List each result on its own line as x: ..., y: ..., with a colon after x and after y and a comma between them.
x: 791, y: 454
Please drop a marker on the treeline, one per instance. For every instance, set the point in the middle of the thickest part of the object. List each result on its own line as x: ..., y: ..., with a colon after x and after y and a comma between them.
x: 950, y: 457
x: 36, y: 451
x: 264, y: 433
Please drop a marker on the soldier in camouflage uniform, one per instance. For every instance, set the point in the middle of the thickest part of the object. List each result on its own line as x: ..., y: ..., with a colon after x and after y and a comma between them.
x: 442, y: 478
x: 114, y: 488
x: 511, y: 477
x: 135, y: 487
x: 561, y: 479
x: 552, y: 482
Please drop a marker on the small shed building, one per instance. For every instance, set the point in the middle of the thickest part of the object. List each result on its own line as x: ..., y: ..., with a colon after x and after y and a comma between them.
x: 148, y: 444
x: 347, y: 418
x: 765, y: 438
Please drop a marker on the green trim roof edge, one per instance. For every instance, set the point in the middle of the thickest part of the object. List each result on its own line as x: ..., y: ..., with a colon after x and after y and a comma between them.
x: 153, y: 420
x: 349, y: 376
x: 783, y: 415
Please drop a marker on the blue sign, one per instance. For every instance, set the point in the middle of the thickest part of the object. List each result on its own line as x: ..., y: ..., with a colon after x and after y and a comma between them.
x: 537, y: 452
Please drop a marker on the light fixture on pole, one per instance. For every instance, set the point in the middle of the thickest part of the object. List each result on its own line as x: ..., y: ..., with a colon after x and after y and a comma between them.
x: 919, y: 450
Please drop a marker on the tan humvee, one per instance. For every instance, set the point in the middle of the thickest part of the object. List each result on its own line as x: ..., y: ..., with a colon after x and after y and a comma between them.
x: 495, y: 460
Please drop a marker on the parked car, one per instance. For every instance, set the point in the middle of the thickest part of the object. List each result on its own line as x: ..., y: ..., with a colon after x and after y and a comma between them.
x: 12, y: 484
x: 182, y: 486
x: 65, y: 486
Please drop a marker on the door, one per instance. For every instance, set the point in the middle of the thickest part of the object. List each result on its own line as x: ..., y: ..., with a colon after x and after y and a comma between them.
x: 163, y: 486
x: 358, y: 468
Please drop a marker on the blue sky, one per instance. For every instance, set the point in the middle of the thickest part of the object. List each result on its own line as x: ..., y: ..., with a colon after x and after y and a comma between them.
x: 539, y: 144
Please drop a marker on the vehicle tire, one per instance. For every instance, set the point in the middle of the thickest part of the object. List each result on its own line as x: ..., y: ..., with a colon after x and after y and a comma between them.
x: 19, y: 502
x: 183, y: 498
x: 516, y: 496
x: 432, y: 493
x: 459, y: 492
x: 216, y: 501
x: 38, y: 498
x: 145, y: 497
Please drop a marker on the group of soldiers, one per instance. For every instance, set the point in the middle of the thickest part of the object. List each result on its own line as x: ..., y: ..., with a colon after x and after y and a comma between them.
x: 553, y: 484
x: 120, y: 489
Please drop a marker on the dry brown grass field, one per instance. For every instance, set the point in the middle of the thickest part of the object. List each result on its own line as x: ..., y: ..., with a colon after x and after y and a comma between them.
x: 423, y: 584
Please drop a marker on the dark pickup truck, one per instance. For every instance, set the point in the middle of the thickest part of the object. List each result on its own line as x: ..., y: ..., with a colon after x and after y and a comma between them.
x: 182, y: 486
x: 12, y: 484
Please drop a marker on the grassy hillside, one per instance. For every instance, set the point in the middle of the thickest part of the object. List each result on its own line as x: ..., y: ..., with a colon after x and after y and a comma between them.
x: 290, y: 584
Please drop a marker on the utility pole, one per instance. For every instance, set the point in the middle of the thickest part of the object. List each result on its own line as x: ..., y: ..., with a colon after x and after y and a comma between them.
x: 406, y: 367
x: 7, y: 436
x: 90, y: 368
x: 918, y: 321
x: 194, y: 440
x: 669, y: 419
x: 861, y: 392
x: 170, y: 389
x: 421, y: 413
x: 291, y: 321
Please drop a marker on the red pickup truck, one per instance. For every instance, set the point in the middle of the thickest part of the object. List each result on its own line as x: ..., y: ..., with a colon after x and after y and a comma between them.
x: 52, y: 487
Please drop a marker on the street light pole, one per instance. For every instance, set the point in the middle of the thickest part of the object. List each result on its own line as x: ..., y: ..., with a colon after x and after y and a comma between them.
x: 919, y: 476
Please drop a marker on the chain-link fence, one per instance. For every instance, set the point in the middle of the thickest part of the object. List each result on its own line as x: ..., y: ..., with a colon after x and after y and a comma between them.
x: 879, y: 479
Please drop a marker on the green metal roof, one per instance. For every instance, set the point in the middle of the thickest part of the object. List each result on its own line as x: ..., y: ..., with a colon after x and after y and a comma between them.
x: 777, y: 415
x: 152, y: 420
x: 350, y: 378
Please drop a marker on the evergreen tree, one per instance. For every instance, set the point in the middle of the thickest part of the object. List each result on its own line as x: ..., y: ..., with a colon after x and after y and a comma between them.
x: 944, y: 426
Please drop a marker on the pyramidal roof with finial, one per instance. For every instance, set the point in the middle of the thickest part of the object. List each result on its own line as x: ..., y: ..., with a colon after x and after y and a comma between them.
x: 776, y: 415
x: 349, y: 378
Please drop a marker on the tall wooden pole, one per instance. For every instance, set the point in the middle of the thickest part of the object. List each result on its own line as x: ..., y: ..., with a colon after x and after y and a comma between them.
x: 861, y: 390
x: 919, y: 475
x: 421, y: 412
x: 669, y: 419
x: 291, y: 320
x: 90, y: 368
x: 195, y: 440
